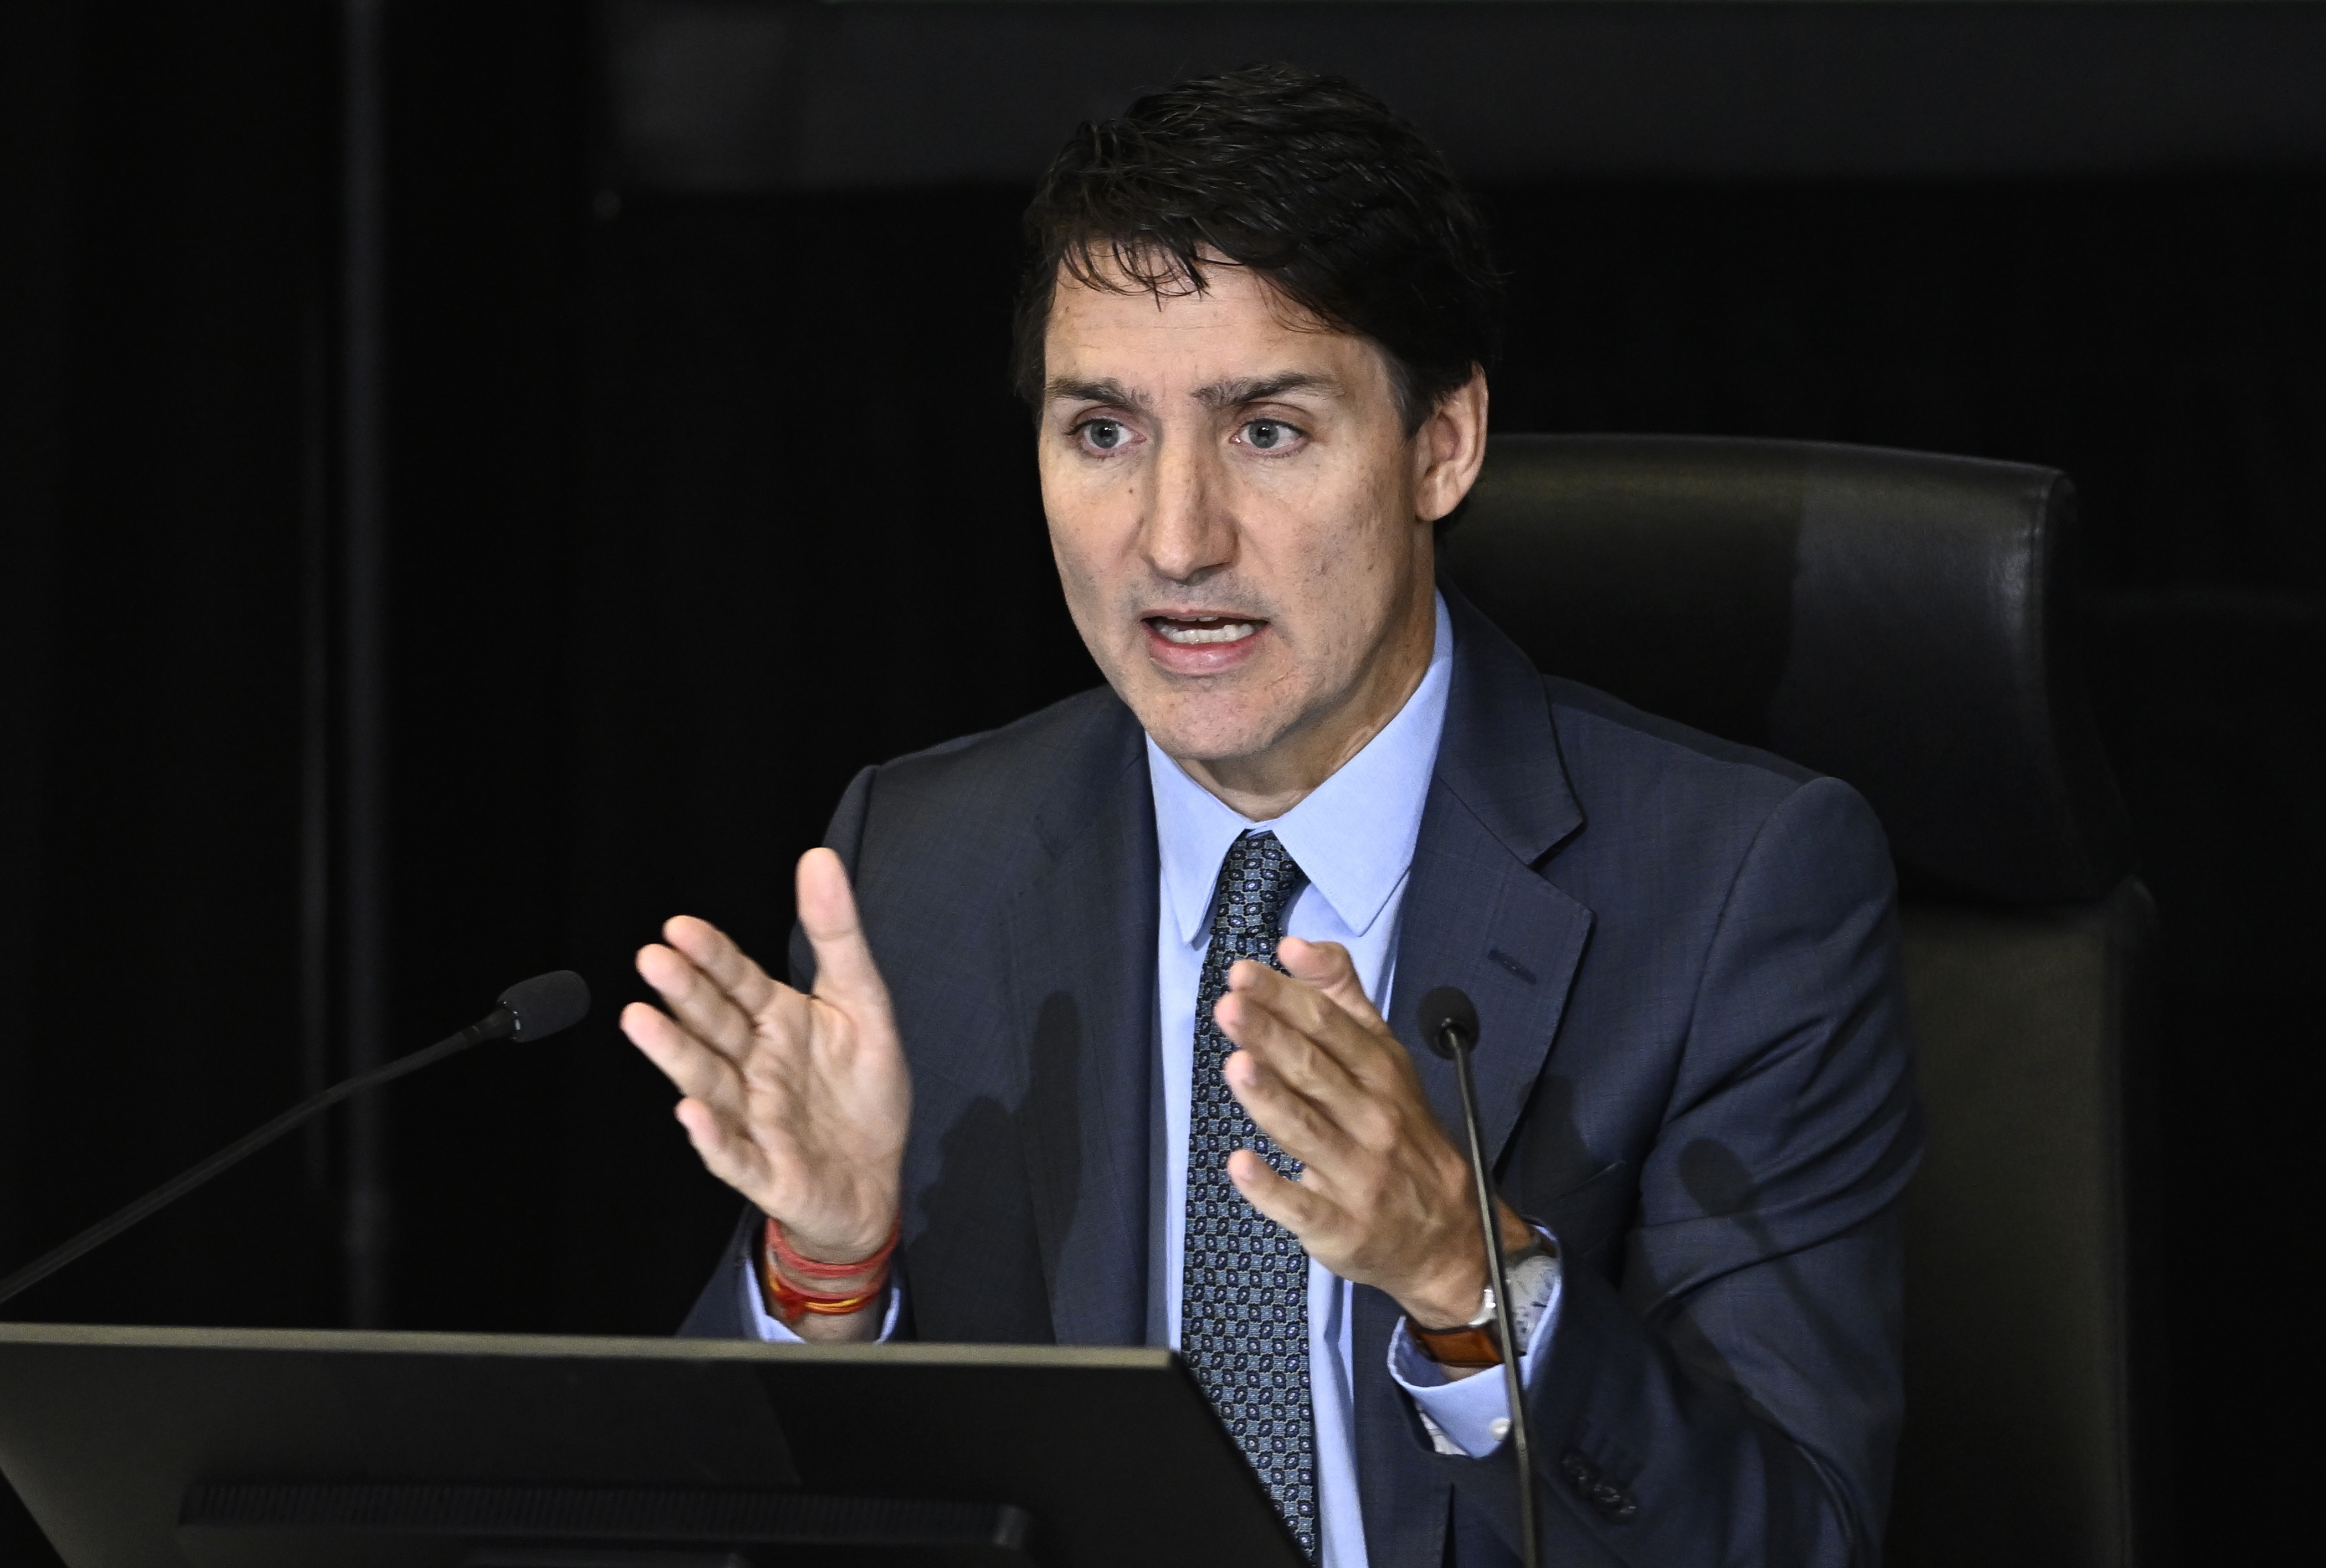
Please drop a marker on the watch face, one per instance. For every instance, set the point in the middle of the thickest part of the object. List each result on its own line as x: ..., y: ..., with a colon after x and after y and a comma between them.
x: 1530, y: 1274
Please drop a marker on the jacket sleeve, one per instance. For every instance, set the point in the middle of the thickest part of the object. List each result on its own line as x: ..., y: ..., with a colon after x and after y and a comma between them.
x: 1733, y: 1396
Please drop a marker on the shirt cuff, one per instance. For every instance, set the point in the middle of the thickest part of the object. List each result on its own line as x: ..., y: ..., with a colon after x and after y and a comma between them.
x: 769, y: 1329
x: 1469, y: 1417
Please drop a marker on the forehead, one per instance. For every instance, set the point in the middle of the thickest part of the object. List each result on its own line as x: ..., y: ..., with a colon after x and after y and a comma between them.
x: 1238, y: 324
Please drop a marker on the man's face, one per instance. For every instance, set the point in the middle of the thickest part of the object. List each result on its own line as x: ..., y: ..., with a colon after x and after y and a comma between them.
x: 1240, y: 519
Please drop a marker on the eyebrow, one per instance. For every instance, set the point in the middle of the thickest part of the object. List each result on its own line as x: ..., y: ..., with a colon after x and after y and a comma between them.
x: 1218, y: 395
x: 1104, y: 391
x: 1222, y: 395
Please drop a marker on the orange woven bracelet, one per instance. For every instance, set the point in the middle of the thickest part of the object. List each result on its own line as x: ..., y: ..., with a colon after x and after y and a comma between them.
x: 791, y: 1303
x: 808, y: 1268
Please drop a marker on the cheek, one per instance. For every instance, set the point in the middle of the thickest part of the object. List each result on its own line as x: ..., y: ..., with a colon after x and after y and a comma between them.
x: 1384, y: 530
x: 1070, y: 550
x: 1343, y: 542
x: 1066, y: 507
x: 1089, y: 558
x: 1094, y: 514
x: 1077, y: 494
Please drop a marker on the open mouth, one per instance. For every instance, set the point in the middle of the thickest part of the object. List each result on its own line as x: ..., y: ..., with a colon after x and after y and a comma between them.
x: 1188, y: 632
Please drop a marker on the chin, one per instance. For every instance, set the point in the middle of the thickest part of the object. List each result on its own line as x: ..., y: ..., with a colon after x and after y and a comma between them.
x: 1209, y: 732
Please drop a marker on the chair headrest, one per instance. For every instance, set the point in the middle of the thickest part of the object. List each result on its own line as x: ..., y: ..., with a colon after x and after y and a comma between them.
x: 1891, y: 619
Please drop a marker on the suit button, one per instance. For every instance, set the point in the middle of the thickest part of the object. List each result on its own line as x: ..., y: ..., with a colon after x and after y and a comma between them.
x: 1612, y: 1501
x: 1578, y: 1469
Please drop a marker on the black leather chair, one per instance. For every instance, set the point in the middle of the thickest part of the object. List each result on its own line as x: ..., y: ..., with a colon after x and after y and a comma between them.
x: 1894, y: 618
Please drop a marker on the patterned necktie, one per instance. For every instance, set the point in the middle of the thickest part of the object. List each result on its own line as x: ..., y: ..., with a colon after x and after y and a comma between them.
x: 1243, y: 1303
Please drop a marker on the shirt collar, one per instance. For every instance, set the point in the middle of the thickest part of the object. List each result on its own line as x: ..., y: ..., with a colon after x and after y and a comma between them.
x: 1352, y: 836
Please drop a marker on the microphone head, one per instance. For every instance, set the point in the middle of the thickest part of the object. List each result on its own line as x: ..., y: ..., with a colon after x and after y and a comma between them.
x: 546, y: 1004
x: 1447, y: 1007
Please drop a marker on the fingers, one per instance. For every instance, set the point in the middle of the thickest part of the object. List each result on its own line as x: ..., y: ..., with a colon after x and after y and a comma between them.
x: 1301, y: 1127
x: 693, y: 1068
x: 1287, y: 1203
x: 845, y: 970
x: 726, y: 1149
x: 703, y: 1007
x: 1294, y: 1089
x: 1309, y: 1036
x: 1327, y: 967
x: 726, y: 966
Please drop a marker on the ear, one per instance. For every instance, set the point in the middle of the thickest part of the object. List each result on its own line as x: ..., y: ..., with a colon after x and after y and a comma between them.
x: 1450, y: 447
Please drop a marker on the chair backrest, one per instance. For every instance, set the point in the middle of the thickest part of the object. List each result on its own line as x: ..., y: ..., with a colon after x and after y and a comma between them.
x: 1895, y: 619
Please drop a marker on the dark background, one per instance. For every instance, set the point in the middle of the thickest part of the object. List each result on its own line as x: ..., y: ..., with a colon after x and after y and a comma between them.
x: 703, y: 492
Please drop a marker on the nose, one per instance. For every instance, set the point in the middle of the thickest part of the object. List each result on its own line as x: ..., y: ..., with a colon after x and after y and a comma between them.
x: 1189, y: 532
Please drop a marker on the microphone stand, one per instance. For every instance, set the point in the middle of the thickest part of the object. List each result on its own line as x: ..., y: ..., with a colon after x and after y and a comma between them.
x: 1456, y: 1041
x: 185, y: 1182
x: 538, y: 1007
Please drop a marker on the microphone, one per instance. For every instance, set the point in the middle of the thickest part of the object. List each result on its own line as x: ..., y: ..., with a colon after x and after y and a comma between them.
x: 1449, y: 1022
x: 531, y: 1009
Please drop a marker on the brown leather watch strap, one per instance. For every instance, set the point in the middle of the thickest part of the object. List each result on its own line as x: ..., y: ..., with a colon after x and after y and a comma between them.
x: 1471, y: 1345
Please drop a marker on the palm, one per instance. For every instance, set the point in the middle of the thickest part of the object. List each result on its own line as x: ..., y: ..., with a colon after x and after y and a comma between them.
x: 826, y: 1102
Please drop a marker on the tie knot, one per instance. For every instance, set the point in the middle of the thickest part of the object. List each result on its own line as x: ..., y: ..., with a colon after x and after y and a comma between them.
x: 1257, y: 882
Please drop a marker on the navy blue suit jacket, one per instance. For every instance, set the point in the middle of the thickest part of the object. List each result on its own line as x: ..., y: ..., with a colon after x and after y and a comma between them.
x: 1693, y: 1068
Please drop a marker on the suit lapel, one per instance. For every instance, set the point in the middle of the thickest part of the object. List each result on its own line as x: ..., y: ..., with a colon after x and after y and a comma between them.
x: 1082, y: 944
x: 1477, y: 915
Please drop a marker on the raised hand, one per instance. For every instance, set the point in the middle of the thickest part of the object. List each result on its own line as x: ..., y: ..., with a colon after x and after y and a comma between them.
x: 799, y: 1101
x: 1385, y: 1197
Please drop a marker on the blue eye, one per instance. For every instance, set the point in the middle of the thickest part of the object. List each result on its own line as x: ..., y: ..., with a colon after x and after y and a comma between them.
x: 1105, y: 434
x: 1268, y: 434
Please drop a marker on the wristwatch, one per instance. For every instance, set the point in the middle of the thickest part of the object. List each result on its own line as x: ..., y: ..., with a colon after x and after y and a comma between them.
x: 1475, y: 1343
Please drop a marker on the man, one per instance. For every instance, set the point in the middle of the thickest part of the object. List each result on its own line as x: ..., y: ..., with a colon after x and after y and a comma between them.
x: 1094, y: 1052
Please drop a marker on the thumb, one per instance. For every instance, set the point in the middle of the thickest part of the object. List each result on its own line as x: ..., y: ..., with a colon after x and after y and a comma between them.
x: 1326, y: 966
x: 845, y: 970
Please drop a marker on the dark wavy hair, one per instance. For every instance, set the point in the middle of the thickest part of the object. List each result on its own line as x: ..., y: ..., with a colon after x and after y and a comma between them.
x: 1308, y: 179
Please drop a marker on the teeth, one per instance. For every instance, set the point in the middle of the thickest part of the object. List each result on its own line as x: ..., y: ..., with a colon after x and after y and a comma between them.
x: 1181, y: 633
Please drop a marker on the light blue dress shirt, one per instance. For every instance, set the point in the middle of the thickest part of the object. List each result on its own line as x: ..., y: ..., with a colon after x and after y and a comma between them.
x: 1352, y: 836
